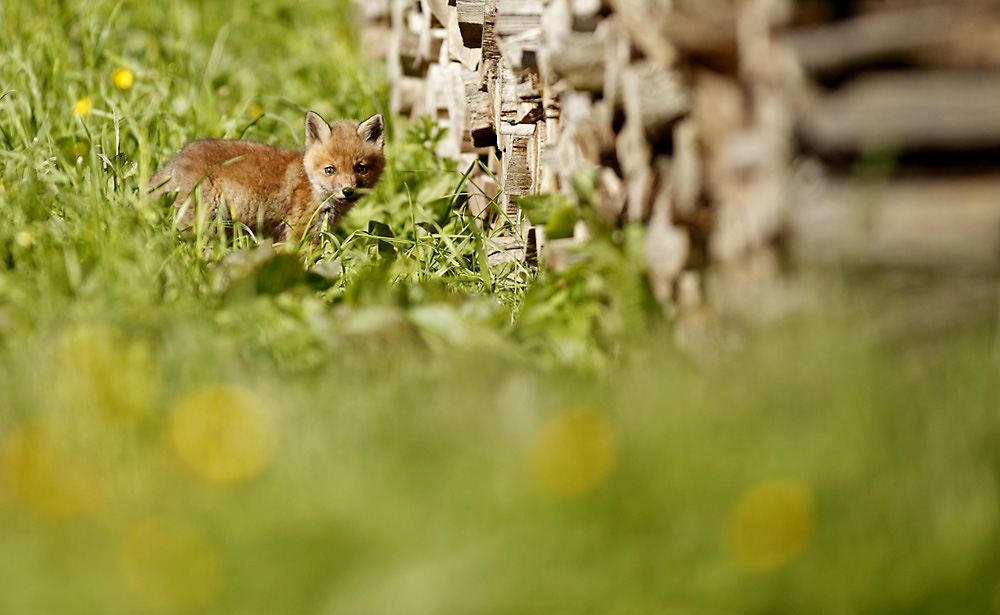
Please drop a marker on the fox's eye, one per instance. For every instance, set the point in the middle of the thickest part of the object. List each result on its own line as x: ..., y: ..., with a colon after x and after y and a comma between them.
x: 329, y: 170
x: 361, y: 169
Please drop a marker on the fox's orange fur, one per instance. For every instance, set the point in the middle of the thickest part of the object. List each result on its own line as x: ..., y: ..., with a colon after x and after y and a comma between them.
x: 278, y: 193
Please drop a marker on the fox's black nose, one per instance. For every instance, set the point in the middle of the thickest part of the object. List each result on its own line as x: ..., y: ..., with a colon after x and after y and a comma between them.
x: 349, y: 193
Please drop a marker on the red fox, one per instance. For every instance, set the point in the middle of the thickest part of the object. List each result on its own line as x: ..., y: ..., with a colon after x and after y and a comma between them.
x: 278, y: 193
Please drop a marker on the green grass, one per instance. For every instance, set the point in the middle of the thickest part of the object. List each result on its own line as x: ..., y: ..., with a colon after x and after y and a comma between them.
x: 408, y: 430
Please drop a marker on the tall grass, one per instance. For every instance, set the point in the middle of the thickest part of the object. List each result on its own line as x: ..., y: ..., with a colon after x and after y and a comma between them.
x: 390, y: 425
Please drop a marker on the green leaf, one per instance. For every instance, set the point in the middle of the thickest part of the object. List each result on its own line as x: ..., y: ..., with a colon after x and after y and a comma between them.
x: 561, y: 222
x: 539, y: 207
x: 382, y: 233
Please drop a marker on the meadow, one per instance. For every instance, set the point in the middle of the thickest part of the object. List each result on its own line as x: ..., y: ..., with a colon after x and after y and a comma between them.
x: 388, y: 423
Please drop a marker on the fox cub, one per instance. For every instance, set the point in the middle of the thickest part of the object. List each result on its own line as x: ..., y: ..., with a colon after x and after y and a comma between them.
x: 278, y: 193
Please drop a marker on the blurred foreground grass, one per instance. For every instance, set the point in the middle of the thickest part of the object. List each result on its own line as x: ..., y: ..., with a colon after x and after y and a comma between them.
x: 423, y: 433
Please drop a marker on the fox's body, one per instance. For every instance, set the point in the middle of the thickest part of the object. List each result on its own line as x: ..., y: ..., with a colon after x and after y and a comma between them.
x: 278, y: 193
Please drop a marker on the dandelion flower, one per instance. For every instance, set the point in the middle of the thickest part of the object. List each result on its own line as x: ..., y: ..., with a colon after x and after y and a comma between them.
x: 255, y: 111
x: 82, y: 107
x: 122, y: 78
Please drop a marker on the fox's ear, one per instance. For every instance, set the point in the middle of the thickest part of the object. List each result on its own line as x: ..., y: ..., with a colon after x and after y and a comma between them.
x: 373, y: 130
x: 317, y: 129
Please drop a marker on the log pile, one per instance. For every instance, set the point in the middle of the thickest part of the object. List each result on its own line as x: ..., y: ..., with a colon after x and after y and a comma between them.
x: 675, y: 111
x: 899, y: 121
x: 865, y: 128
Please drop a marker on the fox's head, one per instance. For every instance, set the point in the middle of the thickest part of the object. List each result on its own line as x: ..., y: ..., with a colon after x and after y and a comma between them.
x: 343, y: 160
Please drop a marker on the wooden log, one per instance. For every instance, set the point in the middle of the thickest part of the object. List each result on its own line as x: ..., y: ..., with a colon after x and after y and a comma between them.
x: 579, y: 59
x: 586, y: 14
x: 469, y: 14
x: 719, y: 107
x: 926, y: 222
x: 446, y: 102
x: 551, y: 126
x: 518, y: 32
x: 760, y: 63
x: 515, y: 173
x: 501, y: 250
x: 438, y: 9
x: 938, y: 34
x: 416, y: 52
x: 457, y: 49
x: 749, y: 214
x: 502, y: 88
x: 907, y: 111
x: 580, y: 141
x: 654, y: 97
x: 706, y: 37
x: 409, y: 96
x: 685, y: 169
x: 491, y: 52
x: 482, y: 191
x: 529, y: 98
x: 536, y: 151
x: 479, y: 114
x: 645, y: 24
x: 612, y: 196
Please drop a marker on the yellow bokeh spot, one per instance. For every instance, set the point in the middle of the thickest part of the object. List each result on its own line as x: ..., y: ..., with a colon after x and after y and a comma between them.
x: 169, y: 566
x: 224, y: 433
x: 103, y: 370
x: 771, y: 524
x: 49, y: 465
x: 255, y: 111
x: 122, y: 78
x: 80, y: 148
x: 25, y: 239
x: 82, y: 107
x: 573, y: 453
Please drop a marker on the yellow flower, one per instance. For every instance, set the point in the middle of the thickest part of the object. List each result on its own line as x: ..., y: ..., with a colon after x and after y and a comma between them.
x: 255, y: 111
x: 53, y: 466
x: 573, y: 453
x: 82, y: 107
x: 771, y: 525
x: 224, y: 433
x: 122, y: 78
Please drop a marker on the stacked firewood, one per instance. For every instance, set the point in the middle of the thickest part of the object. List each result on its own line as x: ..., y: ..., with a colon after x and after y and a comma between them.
x: 675, y: 112
x: 899, y: 123
x: 866, y: 129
